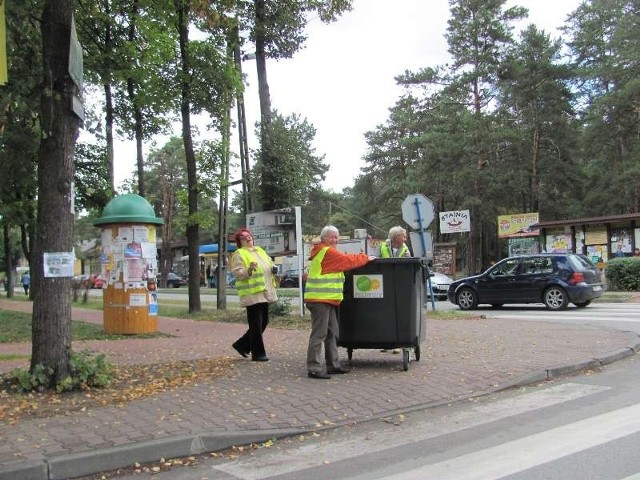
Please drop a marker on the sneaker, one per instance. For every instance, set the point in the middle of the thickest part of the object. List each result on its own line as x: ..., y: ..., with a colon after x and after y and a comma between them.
x: 319, y: 375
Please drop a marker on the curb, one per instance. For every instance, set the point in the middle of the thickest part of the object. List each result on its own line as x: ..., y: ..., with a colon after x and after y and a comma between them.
x: 78, y: 465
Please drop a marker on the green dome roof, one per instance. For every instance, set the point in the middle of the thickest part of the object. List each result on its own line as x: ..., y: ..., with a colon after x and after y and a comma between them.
x: 128, y: 208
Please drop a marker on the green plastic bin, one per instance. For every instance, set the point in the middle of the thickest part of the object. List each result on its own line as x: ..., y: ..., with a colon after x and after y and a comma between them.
x: 383, y: 307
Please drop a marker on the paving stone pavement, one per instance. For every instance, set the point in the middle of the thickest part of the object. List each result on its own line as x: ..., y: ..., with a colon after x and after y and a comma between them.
x: 257, y: 401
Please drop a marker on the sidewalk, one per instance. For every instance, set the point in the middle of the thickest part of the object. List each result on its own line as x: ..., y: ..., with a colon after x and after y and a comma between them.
x: 257, y: 401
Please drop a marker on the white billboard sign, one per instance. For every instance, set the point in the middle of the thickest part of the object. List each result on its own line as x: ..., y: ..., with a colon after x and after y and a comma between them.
x: 274, y: 231
x: 455, y: 222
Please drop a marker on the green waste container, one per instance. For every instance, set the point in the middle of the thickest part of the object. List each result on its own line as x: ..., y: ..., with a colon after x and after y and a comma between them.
x: 383, y: 307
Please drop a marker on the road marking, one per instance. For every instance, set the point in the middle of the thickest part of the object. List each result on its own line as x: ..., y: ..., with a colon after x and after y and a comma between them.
x: 434, y: 424
x: 528, y: 452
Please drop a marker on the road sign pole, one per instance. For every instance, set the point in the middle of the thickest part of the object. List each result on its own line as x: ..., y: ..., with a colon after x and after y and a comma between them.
x: 424, y: 215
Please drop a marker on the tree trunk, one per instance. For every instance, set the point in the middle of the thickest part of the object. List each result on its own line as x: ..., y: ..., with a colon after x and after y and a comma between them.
x: 242, y: 129
x: 8, y: 261
x: 535, y: 182
x: 168, y: 200
x: 271, y: 199
x: 51, y: 334
x: 193, y: 229
x: 108, y: 106
x: 109, y: 135
x: 137, y: 113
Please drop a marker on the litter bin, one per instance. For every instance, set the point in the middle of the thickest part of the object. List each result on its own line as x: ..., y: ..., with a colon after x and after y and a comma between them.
x: 129, y: 265
x: 383, y: 307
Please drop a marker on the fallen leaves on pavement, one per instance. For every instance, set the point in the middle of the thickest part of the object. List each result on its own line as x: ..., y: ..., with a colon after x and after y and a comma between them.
x: 131, y: 382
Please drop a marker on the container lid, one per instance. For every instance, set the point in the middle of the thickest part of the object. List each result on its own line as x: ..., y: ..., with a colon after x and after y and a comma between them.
x: 128, y: 208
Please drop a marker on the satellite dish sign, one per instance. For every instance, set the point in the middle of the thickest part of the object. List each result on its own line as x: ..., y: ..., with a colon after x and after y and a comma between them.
x: 417, y: 211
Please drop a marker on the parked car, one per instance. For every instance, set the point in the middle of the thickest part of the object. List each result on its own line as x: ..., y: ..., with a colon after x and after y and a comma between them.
x: 174, y: 281
x: 440, y: 285
x: 555, y: 279
x: 290, y: 279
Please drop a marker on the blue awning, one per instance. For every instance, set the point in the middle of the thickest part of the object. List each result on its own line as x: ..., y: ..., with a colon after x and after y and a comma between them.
x: 213, y: 248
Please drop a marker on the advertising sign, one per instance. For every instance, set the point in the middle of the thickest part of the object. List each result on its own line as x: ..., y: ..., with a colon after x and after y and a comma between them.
x: 559, y: 242
x: 368, y: 286
x: 274, y: 231
x: 518, y: 225
x: 455, y: 221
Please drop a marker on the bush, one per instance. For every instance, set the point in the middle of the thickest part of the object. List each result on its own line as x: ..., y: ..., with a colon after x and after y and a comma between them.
x: 281, y: 308
x: 87, y: 371
x: 27, y: 381
x: 623, y: 274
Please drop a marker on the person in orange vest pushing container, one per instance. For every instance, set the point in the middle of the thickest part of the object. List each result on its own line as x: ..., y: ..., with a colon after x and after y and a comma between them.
x: 323, y: 295
x: 255, y: 282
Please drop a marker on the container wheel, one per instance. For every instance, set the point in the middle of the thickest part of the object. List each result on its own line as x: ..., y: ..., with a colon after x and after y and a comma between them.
x: 405, y: 359
x: 417, y: 352
x: 349, y: 353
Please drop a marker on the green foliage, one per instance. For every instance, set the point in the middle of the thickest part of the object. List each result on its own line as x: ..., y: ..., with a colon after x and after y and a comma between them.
x: 92, y: 187
x: 604, y: 47
x: 87, y: 371
x: 281, y: 308
x: 624, y: 274
x: 298, y: 171
x: 28, y: 381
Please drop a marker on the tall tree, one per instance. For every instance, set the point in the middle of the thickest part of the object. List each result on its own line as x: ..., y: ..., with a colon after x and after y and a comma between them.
x: 183, y: 18
x: 167, y: 193
x: 277, y: 29
x: 605, y: 42
x: 478, y: 35
x: 131, y: 56
x: 51, y: 339
x: 299, y: 170
x: 19, y: 126
x: 537, y: 125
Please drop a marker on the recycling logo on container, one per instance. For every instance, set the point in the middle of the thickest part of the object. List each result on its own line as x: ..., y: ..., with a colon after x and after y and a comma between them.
x: 367, y: 286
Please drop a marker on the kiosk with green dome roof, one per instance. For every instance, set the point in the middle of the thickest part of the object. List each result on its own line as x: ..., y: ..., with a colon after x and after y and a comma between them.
x: 129, y: 265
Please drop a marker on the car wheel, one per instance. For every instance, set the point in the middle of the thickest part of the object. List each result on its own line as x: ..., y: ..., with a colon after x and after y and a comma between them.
x: 582, y: 304
x: 467, y: 299
x: 289, y: 284
x: 555, y: 298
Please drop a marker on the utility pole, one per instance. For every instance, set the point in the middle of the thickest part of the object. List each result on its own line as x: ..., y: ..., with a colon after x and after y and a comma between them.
x: 242, y: 129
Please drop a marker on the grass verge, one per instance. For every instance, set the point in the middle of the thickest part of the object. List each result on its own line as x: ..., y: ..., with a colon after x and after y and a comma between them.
x: 15, y: 327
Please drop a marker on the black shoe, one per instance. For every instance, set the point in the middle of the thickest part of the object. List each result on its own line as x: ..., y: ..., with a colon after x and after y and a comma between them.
x: 319, y: 375
x: 241, y: 352
x: 337, y: 371
x: 261, y: 358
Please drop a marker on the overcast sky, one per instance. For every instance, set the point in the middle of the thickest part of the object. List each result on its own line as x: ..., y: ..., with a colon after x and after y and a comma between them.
x: 343, y: 81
